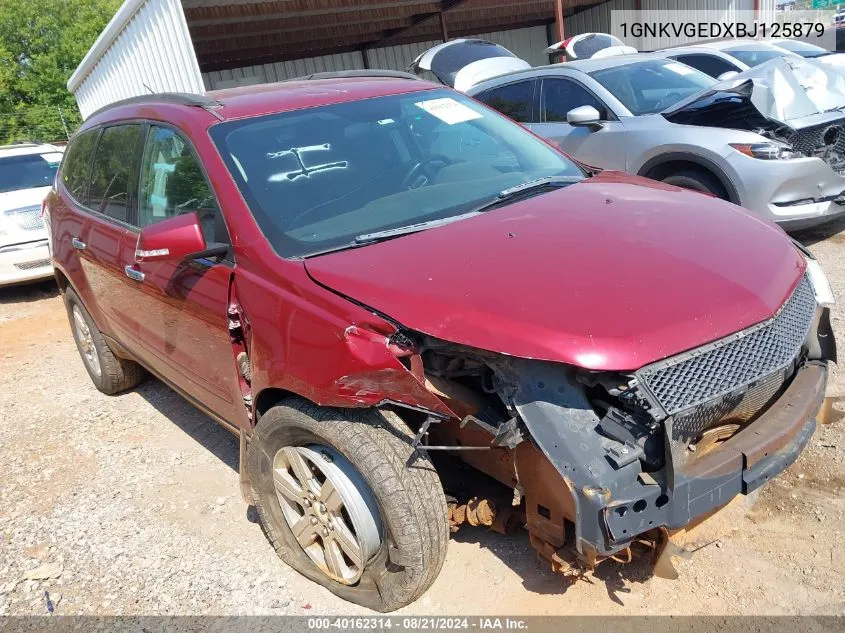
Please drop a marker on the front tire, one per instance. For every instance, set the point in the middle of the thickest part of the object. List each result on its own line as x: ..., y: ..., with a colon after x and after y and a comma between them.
x: 697, y: 181
x: 346, y: 501
x: 109, y: 373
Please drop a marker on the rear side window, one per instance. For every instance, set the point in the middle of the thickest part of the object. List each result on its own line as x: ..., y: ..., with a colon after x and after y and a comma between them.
x: 173, y: 183
x: 513, y: 100
x: 75, y: 167
x: 708, y: 64
x: 111, y: 171
x: 562, y: 95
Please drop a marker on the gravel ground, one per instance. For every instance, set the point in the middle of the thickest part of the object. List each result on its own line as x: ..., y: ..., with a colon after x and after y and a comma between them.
x: 130, y: 505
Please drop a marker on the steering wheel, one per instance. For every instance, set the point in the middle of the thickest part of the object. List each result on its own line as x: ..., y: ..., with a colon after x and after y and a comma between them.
x: 672, y: 97
x: 421, y: 169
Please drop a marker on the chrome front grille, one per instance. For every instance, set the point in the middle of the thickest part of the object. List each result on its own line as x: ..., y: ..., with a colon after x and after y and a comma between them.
x: 737, y: 407
x: 722, y: 367
x: 26, y: 218
x: 38, y: 263
x: 826, y: 141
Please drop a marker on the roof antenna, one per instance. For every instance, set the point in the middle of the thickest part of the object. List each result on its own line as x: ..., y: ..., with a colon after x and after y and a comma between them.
x: 152, y: 92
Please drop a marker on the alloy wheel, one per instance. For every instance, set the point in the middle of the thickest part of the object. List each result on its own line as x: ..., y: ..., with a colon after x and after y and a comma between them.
x: 86, y: 341
x: 329, y: 509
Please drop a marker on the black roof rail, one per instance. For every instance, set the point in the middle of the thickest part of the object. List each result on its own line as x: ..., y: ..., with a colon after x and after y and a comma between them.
x: 346, y: 74
x: 175, y: 98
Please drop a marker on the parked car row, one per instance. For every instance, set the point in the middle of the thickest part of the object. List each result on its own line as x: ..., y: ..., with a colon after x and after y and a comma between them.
x: 719, y: 58
x: 771, y: 138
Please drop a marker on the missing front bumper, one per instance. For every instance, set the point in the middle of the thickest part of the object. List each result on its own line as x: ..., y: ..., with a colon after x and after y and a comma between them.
x: 614, y: 505
x: 741, y: 465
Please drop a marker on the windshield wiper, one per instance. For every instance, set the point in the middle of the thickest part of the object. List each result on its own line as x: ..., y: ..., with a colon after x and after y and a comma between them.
x: 506, y: 195
x: 410, y: 228
x: 513, y: 193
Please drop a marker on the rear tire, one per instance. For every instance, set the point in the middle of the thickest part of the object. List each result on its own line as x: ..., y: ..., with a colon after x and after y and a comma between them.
x: 408, y: 501
x: 697, y: 181
x: 109, y: 373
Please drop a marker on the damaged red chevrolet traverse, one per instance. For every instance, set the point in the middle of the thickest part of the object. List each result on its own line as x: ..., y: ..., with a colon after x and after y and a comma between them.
x: 371, y: 279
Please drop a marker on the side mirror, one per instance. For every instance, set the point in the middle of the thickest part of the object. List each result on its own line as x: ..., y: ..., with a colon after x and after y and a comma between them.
x: 729, y: 74
x: 175, y: 239
x: 585, y: 116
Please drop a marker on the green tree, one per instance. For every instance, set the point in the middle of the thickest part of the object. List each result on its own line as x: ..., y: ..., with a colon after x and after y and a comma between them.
x: 41, y: 44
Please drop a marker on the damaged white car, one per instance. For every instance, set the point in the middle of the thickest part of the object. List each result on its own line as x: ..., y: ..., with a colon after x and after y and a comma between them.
x: 771, y: 139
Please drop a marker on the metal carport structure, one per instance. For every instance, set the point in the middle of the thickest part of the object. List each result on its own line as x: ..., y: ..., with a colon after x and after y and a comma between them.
x: 198, y: 45
x: 195, y: 45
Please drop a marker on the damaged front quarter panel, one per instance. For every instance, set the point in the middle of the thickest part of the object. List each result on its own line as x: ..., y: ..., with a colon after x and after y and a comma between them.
x: 386, y: 379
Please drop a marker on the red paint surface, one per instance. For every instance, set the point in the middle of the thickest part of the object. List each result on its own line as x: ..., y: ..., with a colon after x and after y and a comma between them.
x: 176, y: 238
x: 611, y: 273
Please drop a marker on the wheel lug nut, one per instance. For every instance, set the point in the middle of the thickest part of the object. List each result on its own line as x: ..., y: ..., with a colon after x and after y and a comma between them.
x: 322, y: 507
x: 311, y: 496
x: 325, y: 531
x: 313, y: 520
x: 307, y: 503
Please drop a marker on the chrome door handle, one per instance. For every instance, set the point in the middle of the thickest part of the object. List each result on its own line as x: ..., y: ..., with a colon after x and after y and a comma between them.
x: 78, y: 244
x: 137, y: 275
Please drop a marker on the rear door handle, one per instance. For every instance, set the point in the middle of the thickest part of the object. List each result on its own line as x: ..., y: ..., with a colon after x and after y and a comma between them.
x: 78, y: 244
x: 137, y: 275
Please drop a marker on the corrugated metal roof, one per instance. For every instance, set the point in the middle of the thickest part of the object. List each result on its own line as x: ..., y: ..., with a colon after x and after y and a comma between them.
x: 528, y: 43
x: 241, y: 33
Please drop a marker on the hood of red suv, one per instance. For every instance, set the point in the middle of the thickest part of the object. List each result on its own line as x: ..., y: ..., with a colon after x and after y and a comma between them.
x: 611, y: 273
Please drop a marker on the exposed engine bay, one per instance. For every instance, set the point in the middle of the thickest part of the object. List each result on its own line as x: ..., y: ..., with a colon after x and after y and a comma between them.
x: 596, y: 463
x: 796, y: 102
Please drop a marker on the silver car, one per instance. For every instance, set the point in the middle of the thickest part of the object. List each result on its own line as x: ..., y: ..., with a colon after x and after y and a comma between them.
x: 662, y: 119
x: 718, y: 58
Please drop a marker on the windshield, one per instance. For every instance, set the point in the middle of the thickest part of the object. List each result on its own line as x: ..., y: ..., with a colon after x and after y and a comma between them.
x: 751, y: 55
x: 316, y: 178
x: 651, y: 86
x: 28, y: 171
x: 802, y: 48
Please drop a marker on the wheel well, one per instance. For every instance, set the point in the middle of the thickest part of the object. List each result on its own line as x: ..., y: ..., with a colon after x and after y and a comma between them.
x: 62, y: 281
x: 267, y: 399
x: 271, y: 396
x: 665, y: 169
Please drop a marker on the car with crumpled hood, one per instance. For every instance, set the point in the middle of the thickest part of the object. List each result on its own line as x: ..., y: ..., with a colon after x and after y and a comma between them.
x: 771, y: 139
x: 378, y: 282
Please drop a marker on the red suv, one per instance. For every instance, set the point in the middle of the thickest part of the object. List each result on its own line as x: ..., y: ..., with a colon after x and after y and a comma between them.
x: 353, y: 273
